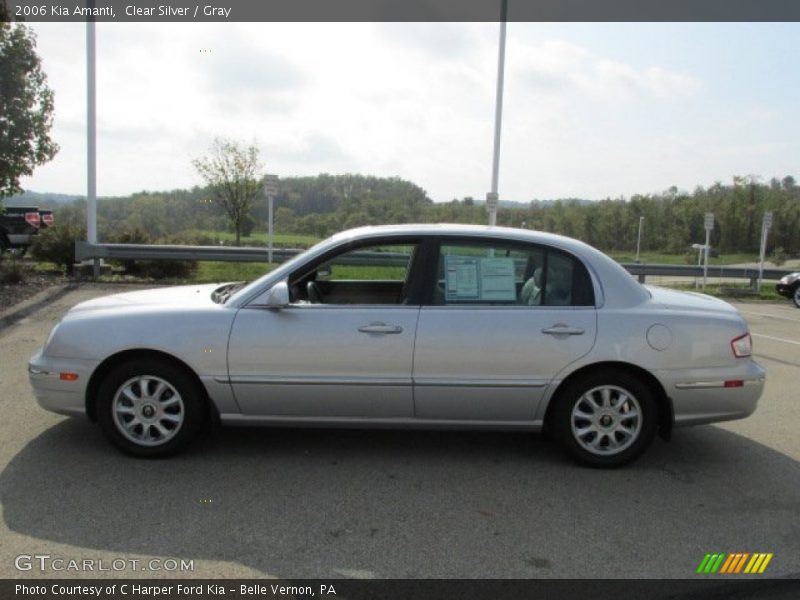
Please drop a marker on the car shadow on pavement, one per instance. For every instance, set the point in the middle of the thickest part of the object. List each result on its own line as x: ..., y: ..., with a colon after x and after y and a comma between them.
x: 328, y: 503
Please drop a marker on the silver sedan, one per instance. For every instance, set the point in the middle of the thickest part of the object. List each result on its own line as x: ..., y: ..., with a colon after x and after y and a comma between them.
x: 424, y: 326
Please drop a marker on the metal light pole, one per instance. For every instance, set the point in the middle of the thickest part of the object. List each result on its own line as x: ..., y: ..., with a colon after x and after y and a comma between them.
x: 492, y: 197
x: 639, y: 238
x: 271, y: 190
x: 91, y: 141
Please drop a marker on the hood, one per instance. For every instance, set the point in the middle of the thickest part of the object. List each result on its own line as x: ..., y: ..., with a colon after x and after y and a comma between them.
x: 180, y: 296
x: 694, y: 301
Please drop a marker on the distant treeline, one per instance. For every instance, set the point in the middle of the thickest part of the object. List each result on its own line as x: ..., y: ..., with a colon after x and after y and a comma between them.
x: 324, y: 204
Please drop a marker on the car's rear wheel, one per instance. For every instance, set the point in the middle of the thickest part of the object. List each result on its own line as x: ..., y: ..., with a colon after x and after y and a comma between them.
x: 605, y: 419
x: 150, y: 408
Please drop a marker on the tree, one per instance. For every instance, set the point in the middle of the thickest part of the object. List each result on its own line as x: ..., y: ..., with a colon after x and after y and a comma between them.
x: 26, y: 108
x: 231, y: 172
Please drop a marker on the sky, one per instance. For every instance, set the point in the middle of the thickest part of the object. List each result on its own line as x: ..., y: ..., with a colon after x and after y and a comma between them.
x: 591, y: 110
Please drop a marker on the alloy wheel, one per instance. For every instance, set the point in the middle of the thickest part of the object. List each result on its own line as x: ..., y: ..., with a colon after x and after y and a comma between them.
x: 606, y: 420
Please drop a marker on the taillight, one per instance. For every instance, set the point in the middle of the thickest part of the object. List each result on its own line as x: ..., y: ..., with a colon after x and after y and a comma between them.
x: 47, y: 219
x: 742, y: 346
x: 32, y: 218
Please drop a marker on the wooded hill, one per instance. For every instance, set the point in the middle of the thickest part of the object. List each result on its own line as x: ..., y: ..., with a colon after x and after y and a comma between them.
x: 324, y: 204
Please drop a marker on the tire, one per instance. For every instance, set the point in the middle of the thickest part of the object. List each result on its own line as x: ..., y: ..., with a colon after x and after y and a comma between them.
x: 150, y: 408
x: 796, y: 295
x: 596, y: 412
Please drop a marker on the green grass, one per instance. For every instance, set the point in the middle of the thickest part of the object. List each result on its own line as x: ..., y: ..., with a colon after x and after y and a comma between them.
x: 659, y: 258
x: 367, y: 273
x: 259, y: 238
x: 735, y: 292
x: 213, y: 272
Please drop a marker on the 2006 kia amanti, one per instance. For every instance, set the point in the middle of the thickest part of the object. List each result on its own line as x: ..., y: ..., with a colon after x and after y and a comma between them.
x: 439, y: 326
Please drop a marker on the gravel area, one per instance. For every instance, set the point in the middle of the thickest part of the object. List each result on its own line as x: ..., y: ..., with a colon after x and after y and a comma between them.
x: 33, y: 282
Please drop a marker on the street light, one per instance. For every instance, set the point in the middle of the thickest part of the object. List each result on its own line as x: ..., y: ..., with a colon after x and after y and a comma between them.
x: 91, y: 141
x: 492, y: 197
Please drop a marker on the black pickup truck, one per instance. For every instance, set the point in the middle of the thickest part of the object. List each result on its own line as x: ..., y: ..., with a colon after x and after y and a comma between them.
x: 18, y: 224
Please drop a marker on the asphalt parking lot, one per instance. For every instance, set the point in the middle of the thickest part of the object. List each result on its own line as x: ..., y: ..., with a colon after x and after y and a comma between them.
x: 315, y: 503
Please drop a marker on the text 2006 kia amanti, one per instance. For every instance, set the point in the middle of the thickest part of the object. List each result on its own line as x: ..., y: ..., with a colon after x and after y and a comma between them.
x: 411, y: 326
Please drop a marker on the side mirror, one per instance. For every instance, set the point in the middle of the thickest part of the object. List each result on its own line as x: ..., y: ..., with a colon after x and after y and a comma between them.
x: 277, y: 296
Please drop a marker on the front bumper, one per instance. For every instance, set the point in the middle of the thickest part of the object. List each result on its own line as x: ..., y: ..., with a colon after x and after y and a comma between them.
x: 54, y: 393
x: 784, y: 289
x: 701, y: 396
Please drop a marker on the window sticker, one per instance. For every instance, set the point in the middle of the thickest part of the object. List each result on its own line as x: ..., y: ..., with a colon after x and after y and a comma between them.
x: 497, y: 279
x: 470, y: 278
x: 461, y: 278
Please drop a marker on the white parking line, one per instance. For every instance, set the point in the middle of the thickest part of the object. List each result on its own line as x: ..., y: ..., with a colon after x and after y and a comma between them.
x: 750, y: 312
x: 777, y: 339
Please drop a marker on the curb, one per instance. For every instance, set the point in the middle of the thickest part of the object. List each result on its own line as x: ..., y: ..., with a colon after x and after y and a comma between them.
x: 31, y: 305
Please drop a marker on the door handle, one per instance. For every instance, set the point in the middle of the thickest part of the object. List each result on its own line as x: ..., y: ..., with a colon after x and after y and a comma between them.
x: 562, y: 329
x: 379, y: 327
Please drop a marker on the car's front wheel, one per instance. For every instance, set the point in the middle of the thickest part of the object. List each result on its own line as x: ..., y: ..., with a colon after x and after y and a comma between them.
x: 150, y: 408
x: 605, y: 419
x: 796, y: 295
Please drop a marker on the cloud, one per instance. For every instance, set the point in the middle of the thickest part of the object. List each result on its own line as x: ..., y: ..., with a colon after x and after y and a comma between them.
x: 438, y: 41
x: 311, y: 149
x: 237, y: 66
x: 556, y: 67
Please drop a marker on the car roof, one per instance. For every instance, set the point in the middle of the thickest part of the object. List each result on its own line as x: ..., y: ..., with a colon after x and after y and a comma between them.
x: 459, y: 230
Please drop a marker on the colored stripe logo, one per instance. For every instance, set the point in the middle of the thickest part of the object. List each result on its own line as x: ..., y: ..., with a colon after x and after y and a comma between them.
x: 735, y: 563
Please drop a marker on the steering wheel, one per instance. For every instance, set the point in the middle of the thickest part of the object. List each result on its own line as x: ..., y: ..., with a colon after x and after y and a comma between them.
x: 314, y: 295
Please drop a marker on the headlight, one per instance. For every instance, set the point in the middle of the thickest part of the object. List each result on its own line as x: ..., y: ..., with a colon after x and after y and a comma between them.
x: 785, y: 279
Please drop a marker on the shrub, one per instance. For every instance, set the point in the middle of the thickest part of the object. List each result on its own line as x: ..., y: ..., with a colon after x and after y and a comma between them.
x: 779, y: 256
x: 57, y: 245
x: 158, y: 269
x: 11, y: 273
x: 247, y: 225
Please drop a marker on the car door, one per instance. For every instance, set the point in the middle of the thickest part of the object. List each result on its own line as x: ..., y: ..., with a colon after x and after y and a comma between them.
x: 502, y: 321
x: 344, y: 346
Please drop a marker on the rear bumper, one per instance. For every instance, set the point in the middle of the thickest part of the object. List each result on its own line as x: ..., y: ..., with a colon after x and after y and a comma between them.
x: 702, y: 396
x: 55, y: 394
x: 16, y: 240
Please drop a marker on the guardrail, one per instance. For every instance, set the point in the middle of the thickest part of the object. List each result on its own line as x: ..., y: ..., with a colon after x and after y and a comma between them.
x: 86, y: 251
x: 714, y: 271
